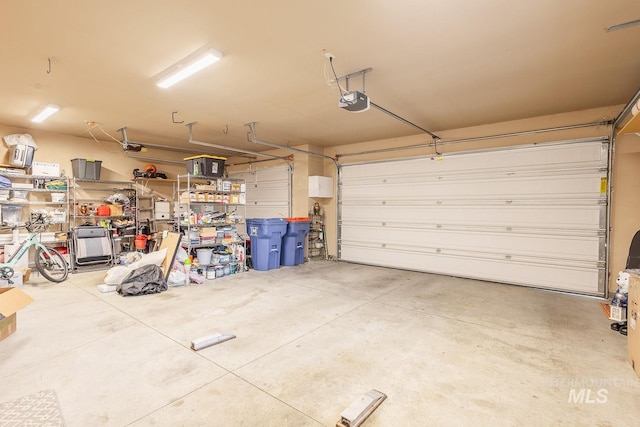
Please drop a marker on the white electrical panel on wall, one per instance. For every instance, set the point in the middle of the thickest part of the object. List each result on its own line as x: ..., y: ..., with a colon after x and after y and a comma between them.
x: 320, y: 186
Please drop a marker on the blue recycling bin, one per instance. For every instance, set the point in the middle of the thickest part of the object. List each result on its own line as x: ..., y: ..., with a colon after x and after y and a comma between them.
x: 266, y: 241
x: 293, y: 241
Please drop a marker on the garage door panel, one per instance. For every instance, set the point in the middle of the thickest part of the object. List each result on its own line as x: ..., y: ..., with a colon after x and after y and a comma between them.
x: 561, y: 156
x: 548, y: 276
x: 542, y: 246
x: 268, y: 191
x: 558, y: 217
x: 267, y: 197
x: 422, y: 171
x: 574, y: 186
x: 541, y: 208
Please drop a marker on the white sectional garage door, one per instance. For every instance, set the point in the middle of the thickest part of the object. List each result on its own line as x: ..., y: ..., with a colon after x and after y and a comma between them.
x: 268, y: 191
x: 533, y: 215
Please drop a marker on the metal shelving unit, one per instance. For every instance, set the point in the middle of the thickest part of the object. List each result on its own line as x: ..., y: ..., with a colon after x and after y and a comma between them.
x: 212, y: 204
x: 40, y: 196
x: 147, y: 197
x: 316, y: 238
x: 144, y: 207
x: 88, y: 194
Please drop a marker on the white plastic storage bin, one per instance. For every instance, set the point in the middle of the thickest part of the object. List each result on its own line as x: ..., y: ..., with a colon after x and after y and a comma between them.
x: 11, y: 214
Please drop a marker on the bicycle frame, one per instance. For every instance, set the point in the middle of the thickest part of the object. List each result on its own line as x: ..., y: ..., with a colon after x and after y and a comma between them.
x: 31, y: 240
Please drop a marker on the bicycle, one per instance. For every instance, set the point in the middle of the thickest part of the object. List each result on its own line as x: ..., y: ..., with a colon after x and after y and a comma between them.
x: 49, y: 262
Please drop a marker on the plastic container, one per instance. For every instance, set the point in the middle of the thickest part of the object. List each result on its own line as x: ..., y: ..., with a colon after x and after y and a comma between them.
x: 233, y: 268
x: 211, y: 272
x: 18, y: 195
x: 187, y: 271
x: 21, y: 155
x: 205, y: 165
x: 293, y: 241
x: 11, y: 214
x: 266, y: 241
x: 58, y: 197
x: 219, y: 271
x: 140, y: 241
x: 86, y: 168
x: 103, y: 210
x: 117, y: 245
x: 204, y: 256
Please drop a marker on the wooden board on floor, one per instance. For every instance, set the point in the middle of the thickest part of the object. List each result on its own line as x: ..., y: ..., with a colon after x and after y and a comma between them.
x: 606, y: 309
x: 171, y: 242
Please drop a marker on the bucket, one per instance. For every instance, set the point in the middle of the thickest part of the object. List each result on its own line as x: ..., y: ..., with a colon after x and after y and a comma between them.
x: 219, y: 271
x: 233, y: 268
x: 141, y: 241
x: 211, y: 272
x: 204, y: 256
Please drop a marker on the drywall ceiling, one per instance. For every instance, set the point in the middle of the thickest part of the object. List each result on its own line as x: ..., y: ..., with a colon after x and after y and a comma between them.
x: 441, y: 64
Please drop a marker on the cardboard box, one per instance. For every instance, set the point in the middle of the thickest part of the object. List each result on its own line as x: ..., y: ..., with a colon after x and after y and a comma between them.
x: 633, y: 325
x: 11, y: 300
x: 116, y: 210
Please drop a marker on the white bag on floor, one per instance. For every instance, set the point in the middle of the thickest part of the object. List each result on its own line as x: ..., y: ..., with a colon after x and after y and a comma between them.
x: 176, y: 278
x: 116, y: 275
x: 155, y: 258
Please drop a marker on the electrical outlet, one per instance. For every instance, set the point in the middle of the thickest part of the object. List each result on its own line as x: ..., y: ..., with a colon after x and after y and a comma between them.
x: 329, y: 55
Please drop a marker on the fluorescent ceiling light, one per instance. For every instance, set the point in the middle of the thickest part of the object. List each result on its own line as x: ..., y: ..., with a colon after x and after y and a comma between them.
x: 189, y: 66
x: 48, y: 110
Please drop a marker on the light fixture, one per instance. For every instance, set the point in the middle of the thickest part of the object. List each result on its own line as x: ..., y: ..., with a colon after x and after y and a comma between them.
x: 189, y: 66
x: 48, y: 110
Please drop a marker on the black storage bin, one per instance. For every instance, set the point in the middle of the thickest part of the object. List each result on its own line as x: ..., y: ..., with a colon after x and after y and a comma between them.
x: 205, y: 165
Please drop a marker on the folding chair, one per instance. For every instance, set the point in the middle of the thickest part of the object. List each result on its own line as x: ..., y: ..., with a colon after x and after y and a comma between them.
x: 91, y: 245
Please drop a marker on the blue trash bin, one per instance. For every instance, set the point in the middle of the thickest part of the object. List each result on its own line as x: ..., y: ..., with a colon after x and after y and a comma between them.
x: 266, y: 241
x: 293, y: 241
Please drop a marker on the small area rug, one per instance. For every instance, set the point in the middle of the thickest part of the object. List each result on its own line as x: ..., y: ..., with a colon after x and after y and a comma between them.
x: 40, y: 409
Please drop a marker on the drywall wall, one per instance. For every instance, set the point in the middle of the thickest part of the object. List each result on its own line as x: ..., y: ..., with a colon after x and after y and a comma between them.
x: 58, y: 148
x: 625, y: 213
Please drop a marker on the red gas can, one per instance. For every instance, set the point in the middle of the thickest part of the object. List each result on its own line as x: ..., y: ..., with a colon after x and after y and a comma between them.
x: 103, y: 210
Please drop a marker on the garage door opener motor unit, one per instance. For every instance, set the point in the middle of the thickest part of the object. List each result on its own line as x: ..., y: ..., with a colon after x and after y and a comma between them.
x: 354, y: 101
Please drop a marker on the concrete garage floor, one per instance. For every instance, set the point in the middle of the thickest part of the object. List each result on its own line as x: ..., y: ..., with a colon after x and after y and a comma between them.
x: 310, y: 340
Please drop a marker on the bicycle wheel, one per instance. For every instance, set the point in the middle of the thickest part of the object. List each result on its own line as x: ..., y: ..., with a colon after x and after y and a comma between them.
x: 52, y: 267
